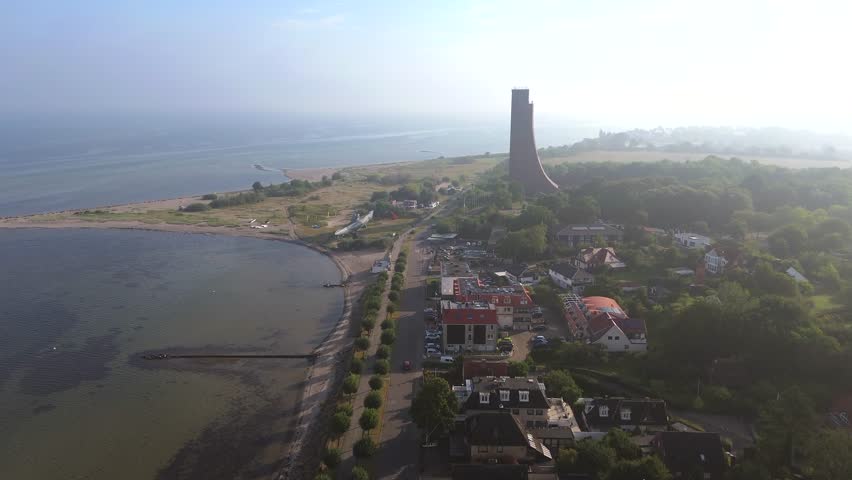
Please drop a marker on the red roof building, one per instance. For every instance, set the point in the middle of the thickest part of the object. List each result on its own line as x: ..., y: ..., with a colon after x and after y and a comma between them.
x: 512, y: 302
x: 469, y: 326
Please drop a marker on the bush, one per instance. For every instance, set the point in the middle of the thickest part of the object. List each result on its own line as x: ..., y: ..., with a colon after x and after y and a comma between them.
x: 376, y: 382
x: 340, y: 423
x: 369, y: 419
x: 383, y: 351
x: 362, y: 343
x: 322, y: 476
x: 369, y: 322
x: 364, y: 448
x: 360, y: 473
x: 388, y: 337
x: 350, y: 384
x: 391, y: 308
x: 331, y: 457
x: 381, y: 367
x: 196, y: 207
x: 210, y: 196
x: 373, y: 399
x: 400, y: 267
x: 393, y: 296
x: 387, y: 324
x: 344, y: 408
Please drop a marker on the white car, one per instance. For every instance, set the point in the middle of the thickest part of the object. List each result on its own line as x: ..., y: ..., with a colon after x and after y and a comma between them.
x: 431, y: 345
x: 432, y: 338
x: 431, y: 352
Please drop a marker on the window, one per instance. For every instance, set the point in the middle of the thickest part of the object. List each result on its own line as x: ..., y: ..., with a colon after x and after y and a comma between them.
x: 539, y: 412
x: 530, y: 411
x: 625, y: 414
x: 484, y: 398
x: 483, y: 449
x: 504, y: 395
x: 609, y: 337
x: 499, y: 449
x: 530, y: 423
x: 617, y: 337
x: 603, y: 410
x: 515, y: 411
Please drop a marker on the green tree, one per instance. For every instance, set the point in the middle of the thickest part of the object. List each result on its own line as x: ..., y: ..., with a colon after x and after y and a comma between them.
x: 594, y: 458
x: 356, y: 366
x: 518, y: 369
x: 364, y: 448
x: 376, y: 382
x: 331, y: 457
x: 624, y: 447
x: 257, y: 186
x: 567, y: 461
x: 785, y: 426
x: 362, y: 343
x: 828, y: 455
x: 360, y: 473
x: 340, y: 423
x: 647, y: 468
x: 350, y: 383
x: 435, y: 406
x: 383, y: 352
x: 561, y: 384
x: 381, y: 367
x: 789, y: 241
x: 388, y: 337
x: 373, y: 399
x: 369, y: 419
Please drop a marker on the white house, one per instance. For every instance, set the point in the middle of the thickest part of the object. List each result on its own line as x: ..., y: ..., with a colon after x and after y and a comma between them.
x: 717, y: 259
x: 569, y: 276
x: 692, y: 240
x: 616, y: 334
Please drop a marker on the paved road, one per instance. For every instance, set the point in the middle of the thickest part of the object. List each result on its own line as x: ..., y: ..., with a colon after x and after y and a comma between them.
x: 399, y: 453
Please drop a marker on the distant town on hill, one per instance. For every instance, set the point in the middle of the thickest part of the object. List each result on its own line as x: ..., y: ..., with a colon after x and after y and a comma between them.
x: 768, y: 142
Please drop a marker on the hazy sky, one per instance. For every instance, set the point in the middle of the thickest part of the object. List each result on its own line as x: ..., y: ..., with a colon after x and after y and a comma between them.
x: 632, y: 62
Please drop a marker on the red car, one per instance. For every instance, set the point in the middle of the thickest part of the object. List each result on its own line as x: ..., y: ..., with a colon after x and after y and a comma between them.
x: 406, y: 365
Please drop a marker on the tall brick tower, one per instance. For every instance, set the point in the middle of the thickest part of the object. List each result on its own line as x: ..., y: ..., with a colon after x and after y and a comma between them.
x: 524, y: 164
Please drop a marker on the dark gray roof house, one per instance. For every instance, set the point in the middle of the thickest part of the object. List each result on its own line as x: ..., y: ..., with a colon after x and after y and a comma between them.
x: 603, y: 414
x: 685, y: 452
x: 501, y: 393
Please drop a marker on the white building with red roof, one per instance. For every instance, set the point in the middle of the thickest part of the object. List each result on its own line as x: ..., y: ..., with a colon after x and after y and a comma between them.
x: 610, y: 327
x: 469, y: 326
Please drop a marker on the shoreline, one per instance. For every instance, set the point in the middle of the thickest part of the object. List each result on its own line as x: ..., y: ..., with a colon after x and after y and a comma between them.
x: 322, y: 379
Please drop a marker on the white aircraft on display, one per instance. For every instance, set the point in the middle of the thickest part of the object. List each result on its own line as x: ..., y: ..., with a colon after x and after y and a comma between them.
x: 359, y: 223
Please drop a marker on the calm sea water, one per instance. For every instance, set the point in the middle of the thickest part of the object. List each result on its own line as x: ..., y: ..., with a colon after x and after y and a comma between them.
x: 78, y: 306
x: 49, y: 164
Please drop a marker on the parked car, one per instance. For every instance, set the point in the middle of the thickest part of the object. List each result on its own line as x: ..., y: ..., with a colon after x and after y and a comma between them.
x: 539, y: 327
x: 447, y: 359
x: 539, y: 338
x: 431, y: 352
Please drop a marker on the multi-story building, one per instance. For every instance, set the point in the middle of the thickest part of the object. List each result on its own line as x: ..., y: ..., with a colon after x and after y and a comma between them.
x: 718, y: 258
x: 469, y: 326
x: 525, y: 399
x: 512, y: 302
x: 588, y: 234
